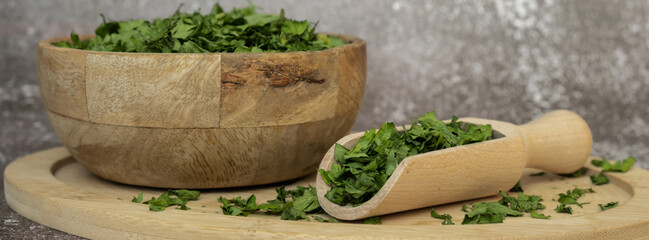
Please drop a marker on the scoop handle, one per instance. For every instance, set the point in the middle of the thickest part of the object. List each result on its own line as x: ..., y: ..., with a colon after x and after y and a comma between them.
x: 559, y: 141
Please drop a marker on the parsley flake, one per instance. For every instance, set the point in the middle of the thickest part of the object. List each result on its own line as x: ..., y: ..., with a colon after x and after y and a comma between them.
x: 599, y: 179
x: 570, y: 198
x: 446, y: 217
x: 138, y: 199
x: 534, y: 214
x: 562, y: 208
x: 320, y: 219
x: 608, y: 206
x: 169, y: 198
x: 617, y: 166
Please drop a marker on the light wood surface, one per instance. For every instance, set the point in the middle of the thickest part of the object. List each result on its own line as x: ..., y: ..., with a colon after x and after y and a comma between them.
x: 62, y: 80
x: 352, y: 67
x: 201, y: 120
x: 154, y: 90
x: 51, y: 188
x: 198, y: 157
x: 271, y: 90
x: 559, y: 141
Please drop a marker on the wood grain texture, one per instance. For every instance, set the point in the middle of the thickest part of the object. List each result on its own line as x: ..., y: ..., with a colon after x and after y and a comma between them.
x: 51, y: 188
x: 204, y: 90
x: 470, y: 171
x: 353, y: 66
x: 554, y: 139
x: 203, y: 120
x: 198, y: 158
x: 62, y: 79
x: 154, y: 90
x: 271, y: 90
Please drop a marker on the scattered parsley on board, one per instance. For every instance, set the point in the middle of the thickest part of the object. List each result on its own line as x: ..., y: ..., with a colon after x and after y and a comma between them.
x: 289, y: 204
x: 178, y: 197
x: 617, y: 166
x: 570, y: 198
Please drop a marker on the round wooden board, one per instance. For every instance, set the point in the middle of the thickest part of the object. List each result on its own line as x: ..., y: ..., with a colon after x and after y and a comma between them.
x: 51, y: 188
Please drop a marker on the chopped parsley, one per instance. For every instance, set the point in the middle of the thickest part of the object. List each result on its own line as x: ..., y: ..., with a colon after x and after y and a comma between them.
x: 617, y: 166
x: 446, y: 217
x: 570, y: 198
x: 608, y: 206
x: 239, y: 30
x: 303, y: 200
x: 360, y: 172
x: 599, y: 179
x: 496, y: 212
x: 320, y: 219
x: 169, y: 198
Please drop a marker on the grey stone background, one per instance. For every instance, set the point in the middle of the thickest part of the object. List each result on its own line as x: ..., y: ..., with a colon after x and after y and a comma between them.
x: 505, y: 60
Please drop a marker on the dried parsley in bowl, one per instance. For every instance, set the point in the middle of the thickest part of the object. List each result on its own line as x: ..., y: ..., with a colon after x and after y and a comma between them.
x: 359, y: 173
x: 240, y: 30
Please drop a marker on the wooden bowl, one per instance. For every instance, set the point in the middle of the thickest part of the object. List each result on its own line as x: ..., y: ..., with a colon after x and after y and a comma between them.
x: 209, y: 120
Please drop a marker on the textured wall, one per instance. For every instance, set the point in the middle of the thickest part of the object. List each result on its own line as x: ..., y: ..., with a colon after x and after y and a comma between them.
x: 506, y: 60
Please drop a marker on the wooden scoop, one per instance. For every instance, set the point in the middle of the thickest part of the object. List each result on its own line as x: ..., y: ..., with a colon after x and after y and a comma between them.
x: 559, y: 142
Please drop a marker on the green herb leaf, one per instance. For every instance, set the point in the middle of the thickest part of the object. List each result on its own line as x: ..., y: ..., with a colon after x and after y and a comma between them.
x: 446, y: 217
x: 608, y: 206
x: 138, y: 199
x: 238, y: 206
x: 307, y: 202
x: 372, y: 220
x: 617, y: 166
x: 339, y: 153
x: 294, y: 27
x: 488, y: 212
x: 464, y: 208
x: 561, y: 208
x: 293, y: 214
x: 160, y: 203
x: 320, y: 219
x: 598, y: 162
x: 523, y: 203
x: 186, y: 195
x: 599, y: 179
x: 75, y: 40
x: 534, y: 214
x: 571, y: 196
x: 182, y: 30
x: 167, y: 199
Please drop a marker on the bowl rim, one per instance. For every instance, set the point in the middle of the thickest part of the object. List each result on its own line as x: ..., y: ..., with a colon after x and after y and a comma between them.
x: 352, y: 42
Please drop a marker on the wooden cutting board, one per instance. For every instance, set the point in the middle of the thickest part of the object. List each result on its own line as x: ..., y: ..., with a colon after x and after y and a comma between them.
x: 51, y: 188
